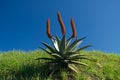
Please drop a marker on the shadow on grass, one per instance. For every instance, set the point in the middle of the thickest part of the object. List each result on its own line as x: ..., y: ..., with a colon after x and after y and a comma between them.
x: 30, y: 71
x: 33, y: 71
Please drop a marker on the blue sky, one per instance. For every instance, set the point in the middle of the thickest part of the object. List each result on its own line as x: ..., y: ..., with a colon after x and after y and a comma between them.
x: 23, y: 22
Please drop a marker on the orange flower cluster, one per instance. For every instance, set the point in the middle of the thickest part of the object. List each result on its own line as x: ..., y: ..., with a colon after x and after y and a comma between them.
x: 62, y: 27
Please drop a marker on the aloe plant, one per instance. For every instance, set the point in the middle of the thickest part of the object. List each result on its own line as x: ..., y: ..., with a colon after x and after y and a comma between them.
x: 64, y: 54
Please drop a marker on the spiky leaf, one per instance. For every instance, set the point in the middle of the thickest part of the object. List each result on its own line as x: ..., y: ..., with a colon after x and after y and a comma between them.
x: 45, y: 50
x: 55, y: 44
x: 73, y: 67
x: 68, y: 42
x: 56, y: 55
x: 78, y: 62
x: 83, y: 47
x: 75, y: 43
x: 62, y: 45
x: 49, y: 47
x: 56, y: 67
x: 58, y: 40
x: 68, y: 54
x: 76, y: 46
x: 45, y: 59
x: 76, y: 55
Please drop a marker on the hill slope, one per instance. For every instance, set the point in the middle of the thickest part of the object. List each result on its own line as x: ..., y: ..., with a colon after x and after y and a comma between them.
x: 18, y: 65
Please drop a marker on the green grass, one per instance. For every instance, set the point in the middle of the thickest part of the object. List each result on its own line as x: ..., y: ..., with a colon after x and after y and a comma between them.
x: 19, y: 65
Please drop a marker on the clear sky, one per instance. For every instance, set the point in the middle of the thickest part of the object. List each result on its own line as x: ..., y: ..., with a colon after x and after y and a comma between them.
x: 23, y: 22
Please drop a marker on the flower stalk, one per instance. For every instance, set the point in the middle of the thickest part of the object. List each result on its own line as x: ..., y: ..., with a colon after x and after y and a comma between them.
x: 61, y: 23
x: 48, y: 29
x: 73, y: 28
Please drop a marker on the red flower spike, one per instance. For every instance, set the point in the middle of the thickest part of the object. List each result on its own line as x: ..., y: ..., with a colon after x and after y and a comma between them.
x: 73, y: 28
x: 48, y: 29
x: 61, y: 23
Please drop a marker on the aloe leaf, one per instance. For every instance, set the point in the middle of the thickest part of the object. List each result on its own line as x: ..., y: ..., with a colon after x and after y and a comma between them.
x: 76, y: 55
x: 82, y: 38
x: 68, y: 54
x: 83, y: 47
x: 56, y: 55
x: 68, y: 42
x: 75, y: 43
x: 55, y: 44
x: 78, y: 62
x: 76, y: 46
x: 58, y: 40
x: 73, y: 67
x: 51, y: 54
x: 45, y: 59
x: 63, y: 44
x: 79, y: 57
x: 70, y: 47
x: 55, y: 68
x: 49, y: 47
x: 54, y: 61
x: 45, y: 50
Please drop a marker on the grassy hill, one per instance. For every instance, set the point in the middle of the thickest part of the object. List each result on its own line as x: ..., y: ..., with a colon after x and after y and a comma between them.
x: 19, y: 65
